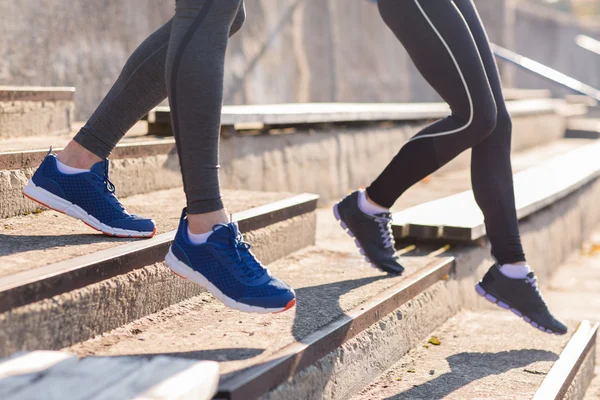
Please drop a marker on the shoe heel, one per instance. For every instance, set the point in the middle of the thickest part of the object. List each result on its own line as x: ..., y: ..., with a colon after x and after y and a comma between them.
x: 336, y: 212
x: 45, y: 198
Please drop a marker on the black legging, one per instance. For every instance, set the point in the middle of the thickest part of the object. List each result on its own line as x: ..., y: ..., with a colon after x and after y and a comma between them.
x: 448, y: 44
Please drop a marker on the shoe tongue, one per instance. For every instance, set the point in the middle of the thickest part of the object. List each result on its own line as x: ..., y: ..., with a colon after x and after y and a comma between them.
x: 99, y: 167
x: 385, y: 215
x: 531, y: 275
x: 223, y: 234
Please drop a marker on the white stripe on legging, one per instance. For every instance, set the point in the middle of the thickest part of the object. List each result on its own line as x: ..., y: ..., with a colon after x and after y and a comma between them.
x: 462, y: 77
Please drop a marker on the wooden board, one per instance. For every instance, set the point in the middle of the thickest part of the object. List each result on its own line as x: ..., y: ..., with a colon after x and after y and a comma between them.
x: 318, y: 113
x: 107, y: 378
x: 583, y: 128
x: 458, y: 218
x: 564, y: 371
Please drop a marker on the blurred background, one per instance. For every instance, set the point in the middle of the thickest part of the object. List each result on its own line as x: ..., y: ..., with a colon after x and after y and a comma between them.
x: 288, y: 51
x: 580, y: 8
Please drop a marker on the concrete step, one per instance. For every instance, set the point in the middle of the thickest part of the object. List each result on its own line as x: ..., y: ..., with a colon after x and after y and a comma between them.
x: 351, y: 322
x: 28, y: 111
x: 483, y: 355
x: 339, y: 299
x: 458, y: 218
x: 60, y: 375
x: 339, y: 156
x: 139, y: 165
x: 59, y: 295
x: 32, y: 241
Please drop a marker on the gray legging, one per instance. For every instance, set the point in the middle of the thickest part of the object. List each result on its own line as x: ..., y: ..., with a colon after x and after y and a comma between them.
x: 448, y: 44
x: 183, y: 59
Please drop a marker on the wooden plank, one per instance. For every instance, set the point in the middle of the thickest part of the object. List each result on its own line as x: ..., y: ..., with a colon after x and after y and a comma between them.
x: 20, y: 371
x: 458, y: 218
x: 564, y: 370
x: 522, y: 94
x: 319, y: 113
x: 35, y: 361
x: 110, y: 378
x: 199, y: 382
x: 583, y: 128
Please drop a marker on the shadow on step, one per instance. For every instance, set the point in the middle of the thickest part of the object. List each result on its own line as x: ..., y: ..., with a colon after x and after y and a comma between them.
x: 15, y: 244
x: 466, y: 368
x: 319, y: 305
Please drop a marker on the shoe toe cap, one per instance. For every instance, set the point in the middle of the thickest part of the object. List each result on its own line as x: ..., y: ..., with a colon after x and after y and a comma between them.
x: 388, y: 264
x: 558, y: 327
x: 135, y: 223
x: 280, y: 299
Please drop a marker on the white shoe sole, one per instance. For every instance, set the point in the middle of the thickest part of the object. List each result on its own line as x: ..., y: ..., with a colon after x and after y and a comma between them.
x: 182, y: 270
x: 56, y: 203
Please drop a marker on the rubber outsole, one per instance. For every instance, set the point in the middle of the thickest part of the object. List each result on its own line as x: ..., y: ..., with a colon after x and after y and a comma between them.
x: 482, y: 292
x: 56, y: 203
x: 180, y: 269
x: 338, y: 217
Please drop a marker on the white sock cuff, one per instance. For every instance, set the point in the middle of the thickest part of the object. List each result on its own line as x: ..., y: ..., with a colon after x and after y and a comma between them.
x: 515, y: 271
x: 65, y: 169
x: 198, y: 238
x: 367, y: 207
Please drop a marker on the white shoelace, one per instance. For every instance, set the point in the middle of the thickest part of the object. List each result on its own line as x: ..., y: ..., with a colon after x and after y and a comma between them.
x: 385, y: 228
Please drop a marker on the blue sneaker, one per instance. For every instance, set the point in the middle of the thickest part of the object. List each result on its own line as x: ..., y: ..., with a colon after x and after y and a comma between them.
x: 88, y: 196
x: 226, y: 267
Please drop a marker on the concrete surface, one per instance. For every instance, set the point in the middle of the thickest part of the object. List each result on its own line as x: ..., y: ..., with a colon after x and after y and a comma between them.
x: 332, y: 260
x: 33, y: 240
x: 344, y: 159
x: 288, y: 51
x: 481, y: 355
x: 344, y: 281
x: 29, y: 118
x: 77, y: 239
x: 551, y: 41
x: 81, y: 314
x: 353, y: 365
x: 549, y: 238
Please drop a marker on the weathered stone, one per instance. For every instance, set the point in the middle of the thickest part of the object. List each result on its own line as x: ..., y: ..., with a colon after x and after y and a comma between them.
x: 31, y: 118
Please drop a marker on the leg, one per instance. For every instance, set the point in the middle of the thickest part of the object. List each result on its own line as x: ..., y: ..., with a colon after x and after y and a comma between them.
x: 491, y: 171
x: 194, y: 77
x: 140, y: 87
x: 208, y: 249
x: 76, y: 181
x: 439, y: 42
x: 509, y: 283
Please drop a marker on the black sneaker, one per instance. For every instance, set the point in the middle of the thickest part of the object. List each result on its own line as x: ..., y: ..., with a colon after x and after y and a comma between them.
x: 372, y: 234
x: 521, y: 296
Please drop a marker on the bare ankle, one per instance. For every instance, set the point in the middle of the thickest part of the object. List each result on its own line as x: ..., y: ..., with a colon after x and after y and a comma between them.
x: 76, y: 156
x: 203, y: 223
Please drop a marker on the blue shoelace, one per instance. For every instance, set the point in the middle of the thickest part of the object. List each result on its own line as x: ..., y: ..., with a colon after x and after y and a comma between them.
x: 240, y: 251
